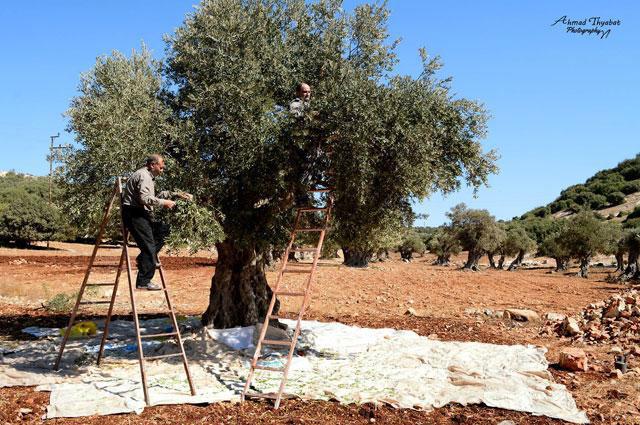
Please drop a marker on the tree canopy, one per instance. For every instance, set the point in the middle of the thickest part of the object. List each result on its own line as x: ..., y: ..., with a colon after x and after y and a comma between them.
x: 221, y: 118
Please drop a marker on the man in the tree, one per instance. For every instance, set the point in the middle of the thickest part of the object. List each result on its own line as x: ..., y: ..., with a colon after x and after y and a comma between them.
x: 139, y: 200
x: 301, y: 102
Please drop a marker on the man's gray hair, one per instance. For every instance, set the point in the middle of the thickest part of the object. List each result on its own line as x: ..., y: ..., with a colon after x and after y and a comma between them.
x: 154, y: 158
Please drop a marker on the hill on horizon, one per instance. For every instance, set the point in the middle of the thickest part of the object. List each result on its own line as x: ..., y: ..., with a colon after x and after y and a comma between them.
x: 613, y: 193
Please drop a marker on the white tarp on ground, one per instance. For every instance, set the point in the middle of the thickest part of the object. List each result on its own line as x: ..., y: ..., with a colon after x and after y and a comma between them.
x: 334, y: 361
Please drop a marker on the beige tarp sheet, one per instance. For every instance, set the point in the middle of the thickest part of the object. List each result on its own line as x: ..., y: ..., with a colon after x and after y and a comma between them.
x: 338, y: 362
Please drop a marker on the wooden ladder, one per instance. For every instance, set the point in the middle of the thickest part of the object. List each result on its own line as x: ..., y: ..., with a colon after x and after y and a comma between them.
x: 304, y: 294
x: 125, y: 259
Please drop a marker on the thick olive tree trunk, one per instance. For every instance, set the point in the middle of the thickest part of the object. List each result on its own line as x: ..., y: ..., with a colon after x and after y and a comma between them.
x: 501, y: 262
x: 356, y: 258
x: 406, y: 254
x: 584, y: 267
x: 472, y: 261
x: 620, y: 261
x: 492, y: 262
x: 633, y: 270
x: 239, y: 293
x: 517, y: 262
x: 382, y: 254
x: 442, y: 260
x: 562, y: 263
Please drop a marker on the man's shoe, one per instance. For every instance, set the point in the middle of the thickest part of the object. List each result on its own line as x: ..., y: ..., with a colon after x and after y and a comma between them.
x: 150, y: 286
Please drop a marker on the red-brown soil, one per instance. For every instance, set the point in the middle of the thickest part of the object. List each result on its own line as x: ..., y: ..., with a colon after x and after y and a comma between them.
x: 375, y: 297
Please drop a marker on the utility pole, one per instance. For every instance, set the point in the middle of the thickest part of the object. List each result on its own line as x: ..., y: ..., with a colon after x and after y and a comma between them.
x: 52, y: 157
x: 51, y: 150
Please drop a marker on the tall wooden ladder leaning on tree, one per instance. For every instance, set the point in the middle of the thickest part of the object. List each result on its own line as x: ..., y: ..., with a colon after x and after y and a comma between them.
x: 125, y: 260
x: 279, y: 291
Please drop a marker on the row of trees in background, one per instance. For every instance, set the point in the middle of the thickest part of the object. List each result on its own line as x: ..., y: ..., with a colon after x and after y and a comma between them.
x: 579, y: 237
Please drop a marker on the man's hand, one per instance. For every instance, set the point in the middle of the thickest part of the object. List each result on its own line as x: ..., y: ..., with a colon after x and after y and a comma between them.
x: 169, y: 204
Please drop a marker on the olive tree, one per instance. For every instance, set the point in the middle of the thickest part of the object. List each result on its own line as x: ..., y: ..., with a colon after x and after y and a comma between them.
x: 517, y: 242
x: 444, y: 243
x: 394, y: 138
x: 477, y: 231
x: 586, y: 235
x: 222, y: 119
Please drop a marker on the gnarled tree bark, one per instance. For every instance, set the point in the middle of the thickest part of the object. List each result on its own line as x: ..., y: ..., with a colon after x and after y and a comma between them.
x: 442, y: 260
x: 619, y: 261
x: 632, y: 272
x: 472, y: 261
x: 584, y: 267
x: 239, y: 293
x: 354, y: 258
x: 517, y: 262
x: 562, y: 263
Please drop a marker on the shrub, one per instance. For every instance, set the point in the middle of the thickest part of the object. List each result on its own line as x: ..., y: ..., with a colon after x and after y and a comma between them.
x: 631, y: 187
x: 28, y: 219
x: 631, y: 172
x: 615, y: 198
x: 591, y: 200
x: 60, y: 303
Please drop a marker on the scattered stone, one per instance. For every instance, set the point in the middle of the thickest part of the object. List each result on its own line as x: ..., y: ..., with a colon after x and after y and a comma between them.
x: 472, y: 311
x: 18, y: 262
x: 554, y: 317
x: 614, y: 309
x: 433, y: 336
x: 573, y: 359
x: 596, y: 368
x: 521, y: 315
x: 616, y: 374
x: 614, y: 321
x: 570, y: 327
x: 507, y: 423
x: 25, y: 411
x: 410, y: 312
x: 615, y: 350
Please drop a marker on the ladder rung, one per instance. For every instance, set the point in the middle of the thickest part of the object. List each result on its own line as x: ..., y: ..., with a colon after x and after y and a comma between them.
x: 312, y: 209
x: 309, y: 229
x: 276, y: 342
x: 100, y: 284
x: 159, y: 335
x: 163, y: 356
x: 272, y: 369
x: 276, y: 317
x: 296, y: 270
x: 94, y: 302
x: 290, y: 294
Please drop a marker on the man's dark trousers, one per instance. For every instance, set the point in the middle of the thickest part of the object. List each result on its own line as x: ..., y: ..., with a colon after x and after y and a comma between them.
x: 149, y: 236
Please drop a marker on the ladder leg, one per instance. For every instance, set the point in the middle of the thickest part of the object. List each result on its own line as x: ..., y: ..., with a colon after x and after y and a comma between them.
x: 74, y: 312
x: 177, y: 329
x: 107, y: 322
x: 136, y: 322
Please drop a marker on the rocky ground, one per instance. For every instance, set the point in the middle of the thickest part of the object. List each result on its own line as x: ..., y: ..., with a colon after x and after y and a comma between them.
x: 529, y: 306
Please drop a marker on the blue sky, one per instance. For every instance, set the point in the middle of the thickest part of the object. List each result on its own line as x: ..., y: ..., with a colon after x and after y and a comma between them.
x: 563, y: 105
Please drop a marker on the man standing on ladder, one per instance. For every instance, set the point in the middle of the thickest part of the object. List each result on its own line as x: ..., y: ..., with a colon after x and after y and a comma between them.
x: 139, y: 200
